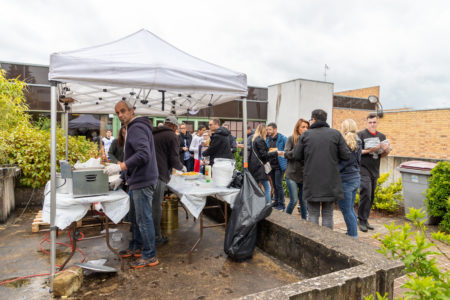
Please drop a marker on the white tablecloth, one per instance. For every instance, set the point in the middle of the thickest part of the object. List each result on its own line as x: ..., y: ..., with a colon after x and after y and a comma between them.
x: 193, y: 193
x: 69, y: 209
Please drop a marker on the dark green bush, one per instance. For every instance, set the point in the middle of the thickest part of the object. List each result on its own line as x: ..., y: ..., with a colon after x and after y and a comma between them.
x: 438, y: 194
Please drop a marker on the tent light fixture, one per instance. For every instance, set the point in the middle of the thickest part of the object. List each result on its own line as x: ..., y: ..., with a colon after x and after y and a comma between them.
x: 100, y: 98
x: 132, y: 93
x: 173, y: 102
x: 96, y: 103
x: 179, y: 95
x: 144, y: 101
x: 124, y: 98
x: 105, y: 90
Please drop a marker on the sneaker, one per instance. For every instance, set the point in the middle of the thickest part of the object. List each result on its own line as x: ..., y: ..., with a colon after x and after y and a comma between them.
x: 370, y: 227
x: 161, y: 241
x: 128, y: 253
x: 362, y: 227
x: 142, y: 262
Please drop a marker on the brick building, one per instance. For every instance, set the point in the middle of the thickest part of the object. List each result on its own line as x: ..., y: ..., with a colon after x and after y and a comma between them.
x: 422, y: 134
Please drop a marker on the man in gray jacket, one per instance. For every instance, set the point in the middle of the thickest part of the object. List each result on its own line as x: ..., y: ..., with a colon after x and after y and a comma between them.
x: 321, y: 148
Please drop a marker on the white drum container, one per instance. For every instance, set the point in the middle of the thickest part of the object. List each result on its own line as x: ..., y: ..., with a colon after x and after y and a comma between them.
x: 222, y: 171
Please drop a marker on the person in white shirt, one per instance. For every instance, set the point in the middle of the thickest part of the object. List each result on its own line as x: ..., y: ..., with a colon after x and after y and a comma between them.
x: 194, y: 147
x: 107, y: 141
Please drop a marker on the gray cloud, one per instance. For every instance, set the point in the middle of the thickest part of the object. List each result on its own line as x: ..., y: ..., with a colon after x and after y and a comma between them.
x: 402, y: 46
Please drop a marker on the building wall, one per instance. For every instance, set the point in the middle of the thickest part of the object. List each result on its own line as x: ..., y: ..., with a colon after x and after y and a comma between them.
x: 361, y: 93
x: 417, y: 134
x: 289, y: 101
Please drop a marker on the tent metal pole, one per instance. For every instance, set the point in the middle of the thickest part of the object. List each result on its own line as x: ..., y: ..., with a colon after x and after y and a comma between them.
x: 66, y: 128
x: 52, y: 183
x: 244, y: 130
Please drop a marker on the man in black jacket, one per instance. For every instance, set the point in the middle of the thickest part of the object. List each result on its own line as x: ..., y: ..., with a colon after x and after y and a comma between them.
x: 219, y: 146
x: 167, y: 158
x: 321, y: 148
x: 185, y: 142
x: 232, y: 139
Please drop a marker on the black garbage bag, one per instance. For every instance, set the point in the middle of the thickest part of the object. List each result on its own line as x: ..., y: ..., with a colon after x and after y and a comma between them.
x: 236, y: 180
x: 250, y: 207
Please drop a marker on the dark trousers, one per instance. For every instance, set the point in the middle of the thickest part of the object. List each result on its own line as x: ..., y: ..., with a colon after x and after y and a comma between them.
x: 189, y: 163
x: 366, y: 196
x: 157, y: 208
x: 277, y: 180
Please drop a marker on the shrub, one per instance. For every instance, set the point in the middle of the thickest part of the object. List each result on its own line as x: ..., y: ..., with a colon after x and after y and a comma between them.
x: 28, y: 146
x: 438, y: 194
x: 425, y: 280
x: 386, y: 198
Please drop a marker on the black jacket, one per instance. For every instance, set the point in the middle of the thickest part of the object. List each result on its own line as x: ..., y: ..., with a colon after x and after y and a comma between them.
x: 294, y: 168
x: 255, y: 165
x: 139, y: 155
x: 321, y: 148
x: 219, y: 146
x: 166, y: 147
x: 181, y: 138
x: 115, y: 152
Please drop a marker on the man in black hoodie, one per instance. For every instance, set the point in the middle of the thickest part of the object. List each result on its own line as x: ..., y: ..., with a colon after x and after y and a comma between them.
x: 219, y: 146
x: 140, y: 172
x: 166, y: 147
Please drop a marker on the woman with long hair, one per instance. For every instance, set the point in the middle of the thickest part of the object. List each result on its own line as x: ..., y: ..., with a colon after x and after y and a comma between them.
x: 115, y: 152
x: 294, y: 170
x: 259, y: 155
x: 350, y: 176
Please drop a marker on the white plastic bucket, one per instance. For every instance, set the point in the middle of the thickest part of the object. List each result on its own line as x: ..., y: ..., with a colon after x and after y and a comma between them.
x: 222, y: 171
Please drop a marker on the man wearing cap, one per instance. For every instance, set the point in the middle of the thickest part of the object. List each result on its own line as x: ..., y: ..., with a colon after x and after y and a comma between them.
x: 140, y: 172
x: 167, y: 158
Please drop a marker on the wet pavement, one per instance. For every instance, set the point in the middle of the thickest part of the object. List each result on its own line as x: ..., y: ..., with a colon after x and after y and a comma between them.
x: 211, y: 275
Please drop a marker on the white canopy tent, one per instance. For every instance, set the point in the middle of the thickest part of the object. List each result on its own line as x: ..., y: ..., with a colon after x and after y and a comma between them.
x: 159, y: 78
x: 138, y: 68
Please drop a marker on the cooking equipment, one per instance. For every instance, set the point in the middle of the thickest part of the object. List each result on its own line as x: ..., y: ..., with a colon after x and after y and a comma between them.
x: 89, y: 182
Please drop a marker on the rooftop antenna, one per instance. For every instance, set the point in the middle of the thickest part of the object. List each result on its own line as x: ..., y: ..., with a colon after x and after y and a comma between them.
x: 325, y: 72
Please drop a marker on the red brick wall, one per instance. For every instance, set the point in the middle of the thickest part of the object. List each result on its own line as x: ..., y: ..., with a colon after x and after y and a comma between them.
x: 420, y: 133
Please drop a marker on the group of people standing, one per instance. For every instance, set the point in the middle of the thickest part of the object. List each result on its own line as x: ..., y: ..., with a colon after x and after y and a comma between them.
x: 322, y: 166
x: 145, y: 163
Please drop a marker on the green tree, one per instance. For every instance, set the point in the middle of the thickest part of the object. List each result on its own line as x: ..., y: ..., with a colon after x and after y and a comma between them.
x: 28, y: 146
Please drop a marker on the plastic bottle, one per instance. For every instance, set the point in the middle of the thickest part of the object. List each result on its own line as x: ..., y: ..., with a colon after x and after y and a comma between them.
x: 208, y: 173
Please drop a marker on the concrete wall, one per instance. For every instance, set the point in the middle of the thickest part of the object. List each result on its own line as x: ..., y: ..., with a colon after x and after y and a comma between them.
x: 340, y: 267
x: 7, y: 182
x: 289, y: 101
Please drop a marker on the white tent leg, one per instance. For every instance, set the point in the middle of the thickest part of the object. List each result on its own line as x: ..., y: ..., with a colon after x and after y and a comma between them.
x: 244, y: 130
x: 52, y: 183
x: 66, y: 129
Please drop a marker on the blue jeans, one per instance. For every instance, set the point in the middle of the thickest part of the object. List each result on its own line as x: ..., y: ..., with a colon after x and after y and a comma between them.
x: 266, y: 186
x: 295, y: 194
x: 277, y: 180
x: 142, y: 228
x: 350, y: 188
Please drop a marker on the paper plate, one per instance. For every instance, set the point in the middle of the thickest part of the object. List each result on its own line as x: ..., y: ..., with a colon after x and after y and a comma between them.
x: 96, y: 268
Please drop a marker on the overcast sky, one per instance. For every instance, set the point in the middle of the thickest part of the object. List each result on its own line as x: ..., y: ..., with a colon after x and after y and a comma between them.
x: 403, y: 46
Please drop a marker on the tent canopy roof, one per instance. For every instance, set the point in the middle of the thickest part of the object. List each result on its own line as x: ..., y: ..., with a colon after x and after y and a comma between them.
x: 137, y: 68
x: 85, y: 121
